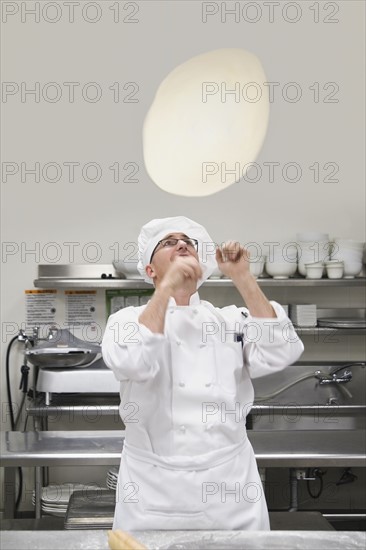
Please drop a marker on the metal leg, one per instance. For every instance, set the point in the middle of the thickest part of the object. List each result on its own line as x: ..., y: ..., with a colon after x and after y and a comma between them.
x: 45, y: 476
x: 37, y: 423
x: 43, y: 425
x: 46, y: 470
x: 9, y: 493
x: 38, y: 490
x: 294, y: 490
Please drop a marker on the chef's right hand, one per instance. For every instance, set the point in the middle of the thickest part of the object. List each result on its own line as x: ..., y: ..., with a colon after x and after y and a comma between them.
x: 182, y: 270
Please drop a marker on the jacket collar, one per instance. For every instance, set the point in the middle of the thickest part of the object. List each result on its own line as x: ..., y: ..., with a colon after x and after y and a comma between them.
x: 193, y: 301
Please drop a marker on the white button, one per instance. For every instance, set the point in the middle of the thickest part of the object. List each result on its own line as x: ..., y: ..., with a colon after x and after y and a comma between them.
x: 182, y: 429
x: 202, y: 345
x: 172, y: 311
x: 208, y: 427
x: 178, y: 342
x: 208, y: 384
x: 195, y: 311
x: 182, y: 384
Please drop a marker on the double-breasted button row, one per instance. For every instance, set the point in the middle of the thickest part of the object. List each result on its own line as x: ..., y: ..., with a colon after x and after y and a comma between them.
x: 182, y: 384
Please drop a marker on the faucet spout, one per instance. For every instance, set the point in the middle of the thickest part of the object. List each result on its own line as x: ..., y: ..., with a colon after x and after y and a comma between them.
x: 332, y: 378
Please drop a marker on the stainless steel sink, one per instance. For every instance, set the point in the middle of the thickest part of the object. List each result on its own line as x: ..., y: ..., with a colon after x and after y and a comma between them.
x: 332, y: 400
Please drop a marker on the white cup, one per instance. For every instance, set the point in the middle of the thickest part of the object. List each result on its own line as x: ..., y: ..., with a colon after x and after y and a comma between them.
x: 315, y: 270
x: 334, y: 270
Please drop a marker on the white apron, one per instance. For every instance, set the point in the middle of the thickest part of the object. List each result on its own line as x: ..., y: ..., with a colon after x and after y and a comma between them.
x: 219, y: 490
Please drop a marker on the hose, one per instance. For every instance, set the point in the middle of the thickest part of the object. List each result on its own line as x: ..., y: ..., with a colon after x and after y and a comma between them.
x: 320, y: 477
x: 13, y: 422
x: 284, y: 388
x: 20, y: 489
x: 8, y: 388
x: 20, y: 411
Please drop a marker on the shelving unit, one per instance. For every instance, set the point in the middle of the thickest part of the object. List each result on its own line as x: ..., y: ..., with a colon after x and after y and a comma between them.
x: 111, y: 281
x: 104, y: 277
x: 139, y: 284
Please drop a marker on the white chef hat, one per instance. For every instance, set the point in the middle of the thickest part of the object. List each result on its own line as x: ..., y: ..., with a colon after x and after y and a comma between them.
x: 157, y: 229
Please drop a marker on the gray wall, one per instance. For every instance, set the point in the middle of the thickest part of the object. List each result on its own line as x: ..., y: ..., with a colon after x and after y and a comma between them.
x: 328, y: 129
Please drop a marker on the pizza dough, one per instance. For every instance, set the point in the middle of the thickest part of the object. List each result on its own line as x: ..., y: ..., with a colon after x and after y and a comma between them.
x: 121, y: 540
x: 207, y: 122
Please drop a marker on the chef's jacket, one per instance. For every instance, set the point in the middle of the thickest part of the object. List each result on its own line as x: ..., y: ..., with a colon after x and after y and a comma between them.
x: 187, y: 462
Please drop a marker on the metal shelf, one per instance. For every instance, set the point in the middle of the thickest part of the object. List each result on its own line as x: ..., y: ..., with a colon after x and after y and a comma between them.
x: 139, y: 284
x: 71, y: 283
x: 319, y: 331
x: 305, y: 448
x: 75, y: 405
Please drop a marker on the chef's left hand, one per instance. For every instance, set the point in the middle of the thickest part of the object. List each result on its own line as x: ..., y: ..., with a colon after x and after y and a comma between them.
x: 233, y: 260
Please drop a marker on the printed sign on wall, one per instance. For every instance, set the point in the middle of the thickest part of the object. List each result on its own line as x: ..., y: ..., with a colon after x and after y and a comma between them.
x: 40, y: 306
x: 80, y: 307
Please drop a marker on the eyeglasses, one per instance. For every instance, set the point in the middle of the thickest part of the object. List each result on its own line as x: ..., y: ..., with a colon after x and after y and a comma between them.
x: 170, y: 242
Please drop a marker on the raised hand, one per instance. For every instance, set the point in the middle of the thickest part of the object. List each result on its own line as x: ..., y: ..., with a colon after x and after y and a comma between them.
x: 182, y: 270
x: 233, y: 260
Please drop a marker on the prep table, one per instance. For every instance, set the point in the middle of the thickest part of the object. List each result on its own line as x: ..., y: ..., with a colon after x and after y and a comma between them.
x: 303, y: 448
x: 225, y: 540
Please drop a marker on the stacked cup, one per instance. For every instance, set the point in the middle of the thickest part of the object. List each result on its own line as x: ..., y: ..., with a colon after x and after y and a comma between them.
x: 313, y: 247
x: 351, y: 253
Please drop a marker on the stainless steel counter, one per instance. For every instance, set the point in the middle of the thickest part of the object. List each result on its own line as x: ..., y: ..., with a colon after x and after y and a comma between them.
x: 306, y: 448
x: 164, y: 540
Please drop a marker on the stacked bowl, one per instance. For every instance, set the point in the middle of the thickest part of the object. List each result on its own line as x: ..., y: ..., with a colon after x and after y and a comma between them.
x: 256, y: 265
x: 281, y: 260
x: 349, y: 252
x: 313, y: 247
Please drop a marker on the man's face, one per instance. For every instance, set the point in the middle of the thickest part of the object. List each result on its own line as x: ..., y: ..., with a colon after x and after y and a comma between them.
x: 166, y: 252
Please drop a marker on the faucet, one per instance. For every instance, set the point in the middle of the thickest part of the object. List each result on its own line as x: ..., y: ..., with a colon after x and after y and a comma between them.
x: 348, y: 366
x: 333, y: 378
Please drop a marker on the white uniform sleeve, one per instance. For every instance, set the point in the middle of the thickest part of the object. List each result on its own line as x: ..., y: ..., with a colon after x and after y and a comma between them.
x: 130, y: 349
x: 270, y: 344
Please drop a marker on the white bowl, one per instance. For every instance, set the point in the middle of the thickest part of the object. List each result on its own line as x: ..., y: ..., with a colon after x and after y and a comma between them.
x: 315, y: 264
x: 256, y: 265
x: 352, y: 268
x: 349, y: 243
x: 283, y: 257
x: 281, y: 251
x: 353, y: 255
x: 127, y: 268
x: 334, y: 263
x: 352, y: 260
x: 310, y: 259
x: 314, y: 252
x: 334, y: 271
x: 216, y: 274
x: 314, y: 271
x: 281, y: 270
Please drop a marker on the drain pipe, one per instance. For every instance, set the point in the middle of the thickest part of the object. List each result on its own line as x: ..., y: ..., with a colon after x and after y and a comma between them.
x: 294, y: 504
x: 297, y: 474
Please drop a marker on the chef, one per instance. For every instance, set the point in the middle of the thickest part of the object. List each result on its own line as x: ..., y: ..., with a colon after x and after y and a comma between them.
x: 185, y: 369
